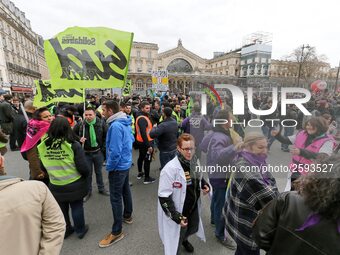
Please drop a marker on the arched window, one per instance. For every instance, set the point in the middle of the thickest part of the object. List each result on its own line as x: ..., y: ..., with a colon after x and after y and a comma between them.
x: 149, y: 83
x: 179, y: 65
x: 139, y: 85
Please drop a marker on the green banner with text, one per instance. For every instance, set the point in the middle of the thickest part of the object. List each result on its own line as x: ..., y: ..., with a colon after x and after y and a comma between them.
x: 89, y: 57
x: 47, y: 94
x: 126, y: 90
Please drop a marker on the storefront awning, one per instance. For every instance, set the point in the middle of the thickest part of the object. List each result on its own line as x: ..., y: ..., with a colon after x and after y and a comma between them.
x: 21, y: 89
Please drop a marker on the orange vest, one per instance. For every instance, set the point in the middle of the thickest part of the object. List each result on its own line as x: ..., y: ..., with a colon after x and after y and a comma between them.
x: 139, y: 138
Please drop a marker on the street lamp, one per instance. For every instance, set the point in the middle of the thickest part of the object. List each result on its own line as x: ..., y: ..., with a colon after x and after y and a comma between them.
x: 300, y: 65
x: 336, y: 80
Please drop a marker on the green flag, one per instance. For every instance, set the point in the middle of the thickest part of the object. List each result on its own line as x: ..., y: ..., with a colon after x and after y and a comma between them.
x: 89, y: 57
x: 47, y: 94
x: 126, y: 90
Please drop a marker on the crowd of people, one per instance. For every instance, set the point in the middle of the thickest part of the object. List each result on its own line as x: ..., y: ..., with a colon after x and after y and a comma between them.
x: 65, y: 143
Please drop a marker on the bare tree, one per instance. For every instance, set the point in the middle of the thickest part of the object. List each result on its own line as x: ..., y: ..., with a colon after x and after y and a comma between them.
x: 312, y: 65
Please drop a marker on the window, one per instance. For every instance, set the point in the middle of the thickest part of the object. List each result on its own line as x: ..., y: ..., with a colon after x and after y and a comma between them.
x: 4, y: 42
x: 139, y: 85
x: 149, y: 83
x: 138, y: 54
x: 139, y: 66
x: 227, y: 62
x: 149, y: 67
x: 149, y: 54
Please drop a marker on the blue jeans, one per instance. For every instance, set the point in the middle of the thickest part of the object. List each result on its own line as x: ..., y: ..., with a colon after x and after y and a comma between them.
x: 166, y: 156
x: 95, y: 160
x: 77, y: 211
x: 287, y: 131
x: 267, y: 133
x: 217, y: 204
x: 120, y: 188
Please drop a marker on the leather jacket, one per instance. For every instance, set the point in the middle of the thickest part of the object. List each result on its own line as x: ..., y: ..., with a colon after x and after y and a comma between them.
x: 275, y: 229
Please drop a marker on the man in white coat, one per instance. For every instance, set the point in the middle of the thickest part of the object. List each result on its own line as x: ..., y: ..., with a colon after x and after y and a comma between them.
x: 179, y: 198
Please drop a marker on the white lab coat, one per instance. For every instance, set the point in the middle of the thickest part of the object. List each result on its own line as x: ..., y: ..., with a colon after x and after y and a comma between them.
x: 171, y: 176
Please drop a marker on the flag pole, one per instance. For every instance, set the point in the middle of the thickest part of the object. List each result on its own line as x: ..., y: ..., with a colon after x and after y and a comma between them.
x: 83, y: 119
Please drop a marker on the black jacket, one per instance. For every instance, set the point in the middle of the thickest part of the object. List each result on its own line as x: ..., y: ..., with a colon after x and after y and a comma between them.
x: 167, y: 133
x: 20, y: 126
x: 275, y: 229
x: 100, y: 129
x: 7, y: 115
x: 143, y: 124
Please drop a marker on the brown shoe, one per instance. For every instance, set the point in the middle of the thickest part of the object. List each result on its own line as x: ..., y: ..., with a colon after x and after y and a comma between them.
x: 110, y: 239
x: 128, y: 220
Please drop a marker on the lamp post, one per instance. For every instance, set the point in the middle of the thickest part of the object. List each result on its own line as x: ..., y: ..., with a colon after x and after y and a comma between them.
x: 300, y: 64
x: 336, y: 80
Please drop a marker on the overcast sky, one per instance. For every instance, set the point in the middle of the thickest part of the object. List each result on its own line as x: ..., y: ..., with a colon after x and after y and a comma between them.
x: 204, y: 26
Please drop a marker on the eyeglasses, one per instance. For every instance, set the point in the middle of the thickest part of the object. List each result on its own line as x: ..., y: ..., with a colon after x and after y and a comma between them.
x: 188, y: 149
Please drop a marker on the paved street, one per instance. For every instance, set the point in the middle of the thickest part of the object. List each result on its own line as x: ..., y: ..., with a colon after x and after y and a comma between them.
x: 142, y: 236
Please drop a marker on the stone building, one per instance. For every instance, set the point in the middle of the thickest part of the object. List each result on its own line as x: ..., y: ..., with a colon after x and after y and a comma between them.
x: 43, y: 69
x: 186, y: 69
x: 18, y: 50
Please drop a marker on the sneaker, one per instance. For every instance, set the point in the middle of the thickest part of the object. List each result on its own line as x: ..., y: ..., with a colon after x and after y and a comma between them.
x: 104, y: 192
x: 130, y: 184
x: 87, y: 197
x: 149, y: 180
x: 110, y: 239
x: 81, y: 236
x: 128, y: 220
x: 140, y: 175
x: 228, y: 243
x: 188, y: 246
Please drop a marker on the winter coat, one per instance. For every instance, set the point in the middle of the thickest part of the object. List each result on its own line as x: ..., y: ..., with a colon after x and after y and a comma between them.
x: 31, y: 220
x: 276, y: 229
x: 166, y: 133
x: 119, y: 141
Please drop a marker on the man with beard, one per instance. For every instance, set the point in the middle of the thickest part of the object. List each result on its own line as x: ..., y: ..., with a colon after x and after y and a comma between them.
x: 144, y: 142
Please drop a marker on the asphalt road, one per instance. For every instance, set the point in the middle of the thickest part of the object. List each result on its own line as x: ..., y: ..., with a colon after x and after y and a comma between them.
x: 142, y: 236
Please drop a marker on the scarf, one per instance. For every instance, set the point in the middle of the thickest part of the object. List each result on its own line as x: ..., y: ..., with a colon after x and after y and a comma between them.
x: 188, y: 164
x: 255, y: 160
x: 93, y: 137
x: 35, y: 130
x: 312, y: 220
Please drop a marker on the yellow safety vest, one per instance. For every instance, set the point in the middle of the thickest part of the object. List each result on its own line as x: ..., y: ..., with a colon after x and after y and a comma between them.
x: 58, y: 159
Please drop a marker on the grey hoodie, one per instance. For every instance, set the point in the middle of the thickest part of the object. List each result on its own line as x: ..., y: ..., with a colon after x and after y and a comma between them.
x: 118, y: 115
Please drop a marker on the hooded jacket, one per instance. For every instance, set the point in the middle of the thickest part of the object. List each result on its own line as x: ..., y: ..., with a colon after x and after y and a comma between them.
x: 29, y: 213
x: 119, y: 141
